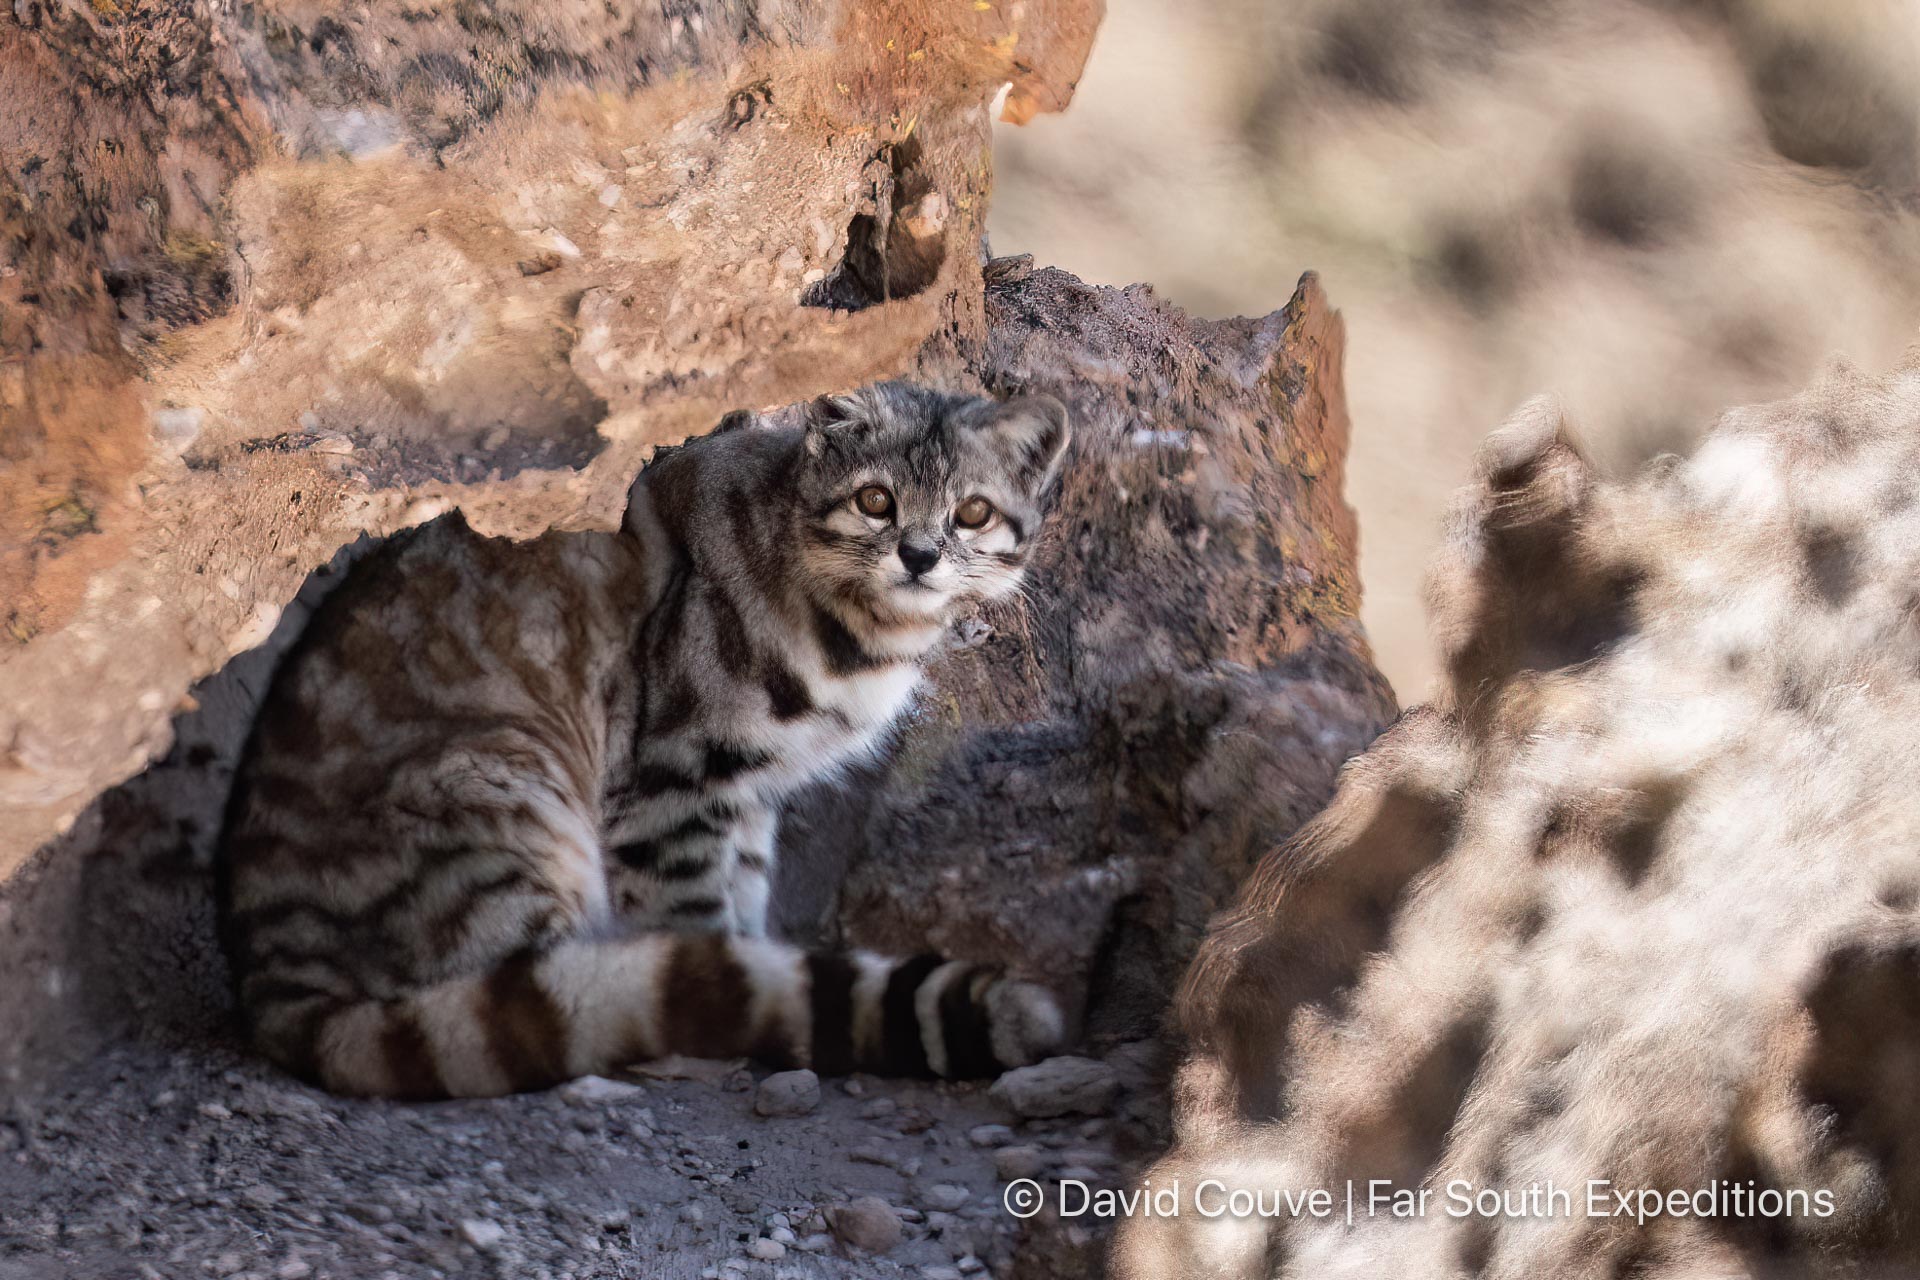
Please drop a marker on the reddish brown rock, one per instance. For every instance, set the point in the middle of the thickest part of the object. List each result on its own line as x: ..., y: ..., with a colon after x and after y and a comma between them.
x: 272, y: 278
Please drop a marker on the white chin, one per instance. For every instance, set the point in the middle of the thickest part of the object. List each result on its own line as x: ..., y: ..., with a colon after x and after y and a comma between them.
x: 917, y: 601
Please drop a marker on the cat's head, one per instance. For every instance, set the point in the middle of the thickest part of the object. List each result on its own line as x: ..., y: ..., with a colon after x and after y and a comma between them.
x: 915, y: 501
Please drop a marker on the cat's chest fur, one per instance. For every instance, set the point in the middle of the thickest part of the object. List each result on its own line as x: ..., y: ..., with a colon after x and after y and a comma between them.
x: 853, y: 718
x: 734, y: 705
x: 735, y: 745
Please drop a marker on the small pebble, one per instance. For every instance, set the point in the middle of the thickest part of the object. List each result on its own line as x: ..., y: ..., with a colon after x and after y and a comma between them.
x: 597, y: 1091
x: 1013, y: 1163
x: 1057, y: 1087
x: 868, y: 1223
x: 482, y: 1233
x: 787, y: 1093
x: 945, y: 1196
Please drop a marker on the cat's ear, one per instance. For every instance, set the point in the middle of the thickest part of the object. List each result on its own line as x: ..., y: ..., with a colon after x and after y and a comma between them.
x: 1031, y: 433
x: 734, y: 421
x: 831, y: 418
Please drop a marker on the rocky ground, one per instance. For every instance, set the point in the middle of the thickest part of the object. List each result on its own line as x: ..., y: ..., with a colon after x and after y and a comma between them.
x: 148, y: 1163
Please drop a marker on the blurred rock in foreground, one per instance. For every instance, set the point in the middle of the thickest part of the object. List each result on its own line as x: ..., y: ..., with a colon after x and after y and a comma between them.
x: 1633, y: 900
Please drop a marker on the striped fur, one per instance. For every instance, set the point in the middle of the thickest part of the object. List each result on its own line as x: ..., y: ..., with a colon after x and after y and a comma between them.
x: 509, y: 812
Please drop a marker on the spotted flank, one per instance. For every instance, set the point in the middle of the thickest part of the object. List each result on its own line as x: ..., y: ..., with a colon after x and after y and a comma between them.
x: 510, y: 811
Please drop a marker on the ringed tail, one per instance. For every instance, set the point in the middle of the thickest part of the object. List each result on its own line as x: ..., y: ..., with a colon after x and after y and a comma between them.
x: 541, y: 1018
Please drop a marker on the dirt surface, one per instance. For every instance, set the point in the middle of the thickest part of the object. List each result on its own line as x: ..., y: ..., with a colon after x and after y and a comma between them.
x: 145, y: 1163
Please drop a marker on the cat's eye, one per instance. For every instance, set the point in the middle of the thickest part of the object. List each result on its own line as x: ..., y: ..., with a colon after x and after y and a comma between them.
x: 874, y: 501
x: 973, y: 513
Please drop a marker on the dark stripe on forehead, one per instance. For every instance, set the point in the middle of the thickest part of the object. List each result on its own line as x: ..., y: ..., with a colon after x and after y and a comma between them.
x: 830, y: 1001
x: 409, y: 1057
x: 844, y: 655
x: 903, y: 1052
x: 931, y: 454
x: 526, y: 1032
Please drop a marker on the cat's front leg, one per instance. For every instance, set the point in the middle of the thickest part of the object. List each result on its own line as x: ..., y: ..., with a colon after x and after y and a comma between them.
x: 750, y: 870
x: 707, y: 872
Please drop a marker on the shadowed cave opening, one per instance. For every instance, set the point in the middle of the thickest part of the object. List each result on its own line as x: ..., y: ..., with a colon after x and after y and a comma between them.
x: 895, y: 249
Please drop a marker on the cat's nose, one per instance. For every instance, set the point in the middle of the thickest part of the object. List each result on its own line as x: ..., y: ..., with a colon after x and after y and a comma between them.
x: 919, y: 557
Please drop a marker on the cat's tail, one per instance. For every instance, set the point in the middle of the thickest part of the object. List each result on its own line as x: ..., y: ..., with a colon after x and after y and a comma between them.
x: 582, y: 1008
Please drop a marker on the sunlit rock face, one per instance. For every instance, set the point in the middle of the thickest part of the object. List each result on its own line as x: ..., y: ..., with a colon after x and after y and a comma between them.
x: 1633, y: 900
x: 274, y: 277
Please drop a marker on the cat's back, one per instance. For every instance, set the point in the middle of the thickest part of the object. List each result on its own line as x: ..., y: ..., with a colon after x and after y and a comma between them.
x: 441, y: 613
x: 443, y: 652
